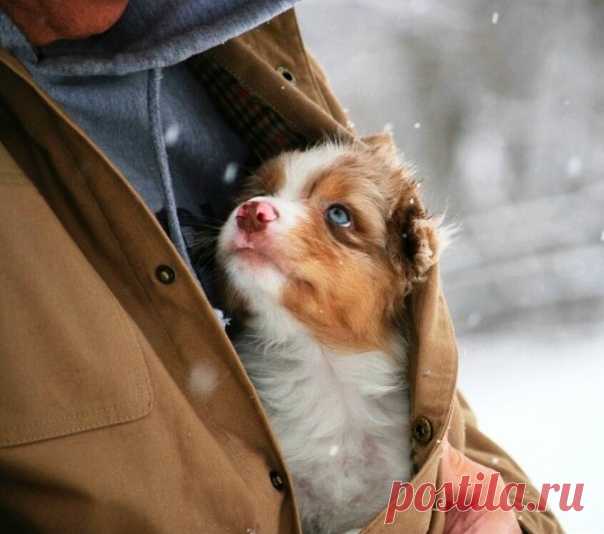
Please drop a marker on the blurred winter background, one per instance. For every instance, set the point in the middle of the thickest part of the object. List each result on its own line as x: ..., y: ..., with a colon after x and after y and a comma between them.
x: 500, y: 104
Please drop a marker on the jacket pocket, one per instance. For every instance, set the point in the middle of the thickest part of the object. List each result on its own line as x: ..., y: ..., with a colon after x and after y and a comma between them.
x: 71, y: 358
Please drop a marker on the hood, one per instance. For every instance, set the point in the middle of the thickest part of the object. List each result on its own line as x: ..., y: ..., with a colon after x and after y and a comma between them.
x: 150, y: 34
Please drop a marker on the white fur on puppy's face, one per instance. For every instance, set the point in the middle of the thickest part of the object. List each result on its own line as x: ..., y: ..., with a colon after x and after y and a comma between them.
x: 258, y: 281
x: 259, y: 278
x: 343, y: 283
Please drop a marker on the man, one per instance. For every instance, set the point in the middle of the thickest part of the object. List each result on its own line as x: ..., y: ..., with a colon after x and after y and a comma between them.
x: 114, y: 115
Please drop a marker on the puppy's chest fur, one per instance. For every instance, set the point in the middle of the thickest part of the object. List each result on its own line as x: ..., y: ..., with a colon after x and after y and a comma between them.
x: 342, y: 423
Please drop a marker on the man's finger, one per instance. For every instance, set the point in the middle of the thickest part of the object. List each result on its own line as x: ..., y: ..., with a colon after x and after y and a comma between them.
x: 455, y: 466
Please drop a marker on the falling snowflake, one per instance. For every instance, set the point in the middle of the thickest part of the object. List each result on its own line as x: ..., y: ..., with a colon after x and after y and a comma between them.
x: 333, y: 450
x: 203, y: 379
x: 602, y: 236
x: 230, y: 173
x: 474, y: 319
x: 574, y: 166
x: 224, y: 321
x: 495, y: 17
x: 417, y: 125
x: 172, y: 134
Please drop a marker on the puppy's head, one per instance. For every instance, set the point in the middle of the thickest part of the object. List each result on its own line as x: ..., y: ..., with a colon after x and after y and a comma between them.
x: 330, y: 240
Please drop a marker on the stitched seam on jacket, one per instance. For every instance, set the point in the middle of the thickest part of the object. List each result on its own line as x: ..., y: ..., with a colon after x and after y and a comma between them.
x: 309, y: 70
x: 145, y: 381
x: 117, y: 242
x: 111, y: 412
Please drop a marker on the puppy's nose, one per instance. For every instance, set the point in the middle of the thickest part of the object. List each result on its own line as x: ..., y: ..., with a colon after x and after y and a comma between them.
x: 254, y: 215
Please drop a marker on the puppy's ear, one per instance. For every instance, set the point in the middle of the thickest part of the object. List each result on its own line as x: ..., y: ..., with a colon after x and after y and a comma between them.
x: 413, y: 241
x: 382, y: 144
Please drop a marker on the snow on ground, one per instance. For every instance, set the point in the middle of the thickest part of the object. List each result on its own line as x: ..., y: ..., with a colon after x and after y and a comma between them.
x: 537, y: 387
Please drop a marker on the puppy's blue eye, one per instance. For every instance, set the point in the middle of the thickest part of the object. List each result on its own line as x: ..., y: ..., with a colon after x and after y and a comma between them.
x: 338, y: 215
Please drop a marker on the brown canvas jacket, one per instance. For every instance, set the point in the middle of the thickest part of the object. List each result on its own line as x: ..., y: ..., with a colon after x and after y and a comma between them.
x: 99, y: 432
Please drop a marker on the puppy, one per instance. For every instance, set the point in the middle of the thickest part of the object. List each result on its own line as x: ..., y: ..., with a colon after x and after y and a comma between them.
x: 318, y: 261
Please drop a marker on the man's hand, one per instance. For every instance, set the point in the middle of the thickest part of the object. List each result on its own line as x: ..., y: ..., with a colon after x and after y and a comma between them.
x: 454, y: 466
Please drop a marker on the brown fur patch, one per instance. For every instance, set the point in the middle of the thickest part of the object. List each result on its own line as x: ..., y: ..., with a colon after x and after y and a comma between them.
x: 269, y: 178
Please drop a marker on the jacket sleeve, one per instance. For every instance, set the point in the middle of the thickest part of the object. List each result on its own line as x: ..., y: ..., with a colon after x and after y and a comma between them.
x: 481, y: 449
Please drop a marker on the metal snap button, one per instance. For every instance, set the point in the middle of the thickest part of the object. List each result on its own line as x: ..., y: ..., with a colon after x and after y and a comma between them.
x: 287, y: 74
x: 422, y: 430
x: 165, y: 274
x: 277, y: 480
